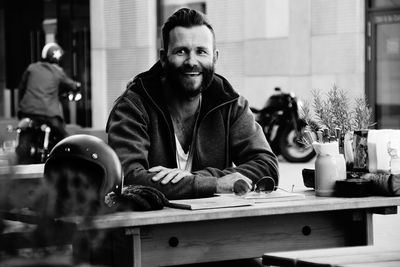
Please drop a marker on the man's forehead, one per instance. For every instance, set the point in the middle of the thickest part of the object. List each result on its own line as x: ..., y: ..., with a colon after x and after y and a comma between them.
x: 200, y: 35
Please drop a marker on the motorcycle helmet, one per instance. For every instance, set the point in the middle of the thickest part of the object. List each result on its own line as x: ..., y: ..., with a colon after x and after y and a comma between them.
x: 52, y: 53
x: 79, y: 172
x: 93, y: 152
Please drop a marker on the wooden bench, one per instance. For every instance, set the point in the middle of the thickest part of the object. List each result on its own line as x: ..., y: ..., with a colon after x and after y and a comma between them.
x: 358, y: 256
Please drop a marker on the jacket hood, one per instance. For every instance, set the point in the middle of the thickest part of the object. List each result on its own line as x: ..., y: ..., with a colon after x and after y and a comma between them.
x: 218, y: 93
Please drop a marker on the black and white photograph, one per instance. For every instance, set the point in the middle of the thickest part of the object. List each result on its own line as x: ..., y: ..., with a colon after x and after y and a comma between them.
x: 199, y: 133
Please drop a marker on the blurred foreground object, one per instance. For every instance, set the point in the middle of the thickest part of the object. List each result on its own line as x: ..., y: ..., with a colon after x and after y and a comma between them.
x: 80, y: 171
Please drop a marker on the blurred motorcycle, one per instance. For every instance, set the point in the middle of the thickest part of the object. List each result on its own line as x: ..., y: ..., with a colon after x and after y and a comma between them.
x: 36, y: 137
x: 283, y: 128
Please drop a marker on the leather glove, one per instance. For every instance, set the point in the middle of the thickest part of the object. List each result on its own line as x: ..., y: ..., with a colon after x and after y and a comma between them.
x: 384, y: 184
x: 138, y: 198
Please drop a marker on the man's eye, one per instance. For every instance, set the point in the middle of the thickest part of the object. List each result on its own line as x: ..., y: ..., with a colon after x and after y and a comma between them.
x: 180, y: 52
x: 202, y: 52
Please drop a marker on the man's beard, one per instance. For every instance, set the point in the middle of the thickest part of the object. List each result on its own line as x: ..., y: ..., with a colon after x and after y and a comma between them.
x: 187, y: 89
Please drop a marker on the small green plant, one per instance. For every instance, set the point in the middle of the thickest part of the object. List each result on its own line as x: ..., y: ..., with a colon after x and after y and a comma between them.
x: 362, y: 114
x: 320, y: 109
x: 334, y: 111
x: 307, y: 114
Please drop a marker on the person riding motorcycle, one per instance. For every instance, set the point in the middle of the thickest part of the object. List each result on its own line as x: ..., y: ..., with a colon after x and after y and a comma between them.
x: 40, y: 88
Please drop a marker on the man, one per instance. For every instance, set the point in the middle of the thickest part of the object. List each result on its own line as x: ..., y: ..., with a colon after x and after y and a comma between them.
x: 40, y: 87
x: 181, y: 128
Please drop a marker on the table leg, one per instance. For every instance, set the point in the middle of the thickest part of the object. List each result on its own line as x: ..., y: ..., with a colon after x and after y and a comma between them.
x: 361, y: 229
x: 136, y: 246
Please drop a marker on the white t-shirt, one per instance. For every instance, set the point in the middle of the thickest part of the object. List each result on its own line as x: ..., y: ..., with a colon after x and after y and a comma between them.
x: 183, y: 161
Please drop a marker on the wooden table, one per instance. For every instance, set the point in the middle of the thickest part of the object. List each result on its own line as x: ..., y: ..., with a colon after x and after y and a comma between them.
x: 28, y: 171
x: 359, y: 256
x: 20, y: 182
x: 173, y: 236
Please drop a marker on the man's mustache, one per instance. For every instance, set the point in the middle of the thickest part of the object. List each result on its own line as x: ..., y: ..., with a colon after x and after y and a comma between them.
x: 189, y: 69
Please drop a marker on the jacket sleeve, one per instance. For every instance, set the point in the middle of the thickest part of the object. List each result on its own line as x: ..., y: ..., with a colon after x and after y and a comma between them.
x: 128, y: 134
x: 66, y: 83
x: 248, y: 148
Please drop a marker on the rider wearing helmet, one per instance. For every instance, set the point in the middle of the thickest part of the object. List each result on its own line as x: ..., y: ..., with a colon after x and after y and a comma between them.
x: 40, y: 88
x: 52, y: 53
x: 81, y: 171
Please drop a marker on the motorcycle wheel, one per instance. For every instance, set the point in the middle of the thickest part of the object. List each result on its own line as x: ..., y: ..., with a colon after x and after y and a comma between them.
x: 292, y: 148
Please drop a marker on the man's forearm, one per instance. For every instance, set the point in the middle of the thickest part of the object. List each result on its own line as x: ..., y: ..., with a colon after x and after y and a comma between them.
x: 193, y: 186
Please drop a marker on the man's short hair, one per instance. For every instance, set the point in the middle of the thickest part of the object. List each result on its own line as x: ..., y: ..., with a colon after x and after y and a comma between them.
x: 187, y: 18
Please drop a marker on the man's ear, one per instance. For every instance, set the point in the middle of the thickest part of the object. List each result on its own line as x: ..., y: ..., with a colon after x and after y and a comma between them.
x: 163, y: 57
x: 216, y: 54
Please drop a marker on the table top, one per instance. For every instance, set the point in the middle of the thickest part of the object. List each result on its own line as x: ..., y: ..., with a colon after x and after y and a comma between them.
x: 310, y: 203
x: 359, y: 256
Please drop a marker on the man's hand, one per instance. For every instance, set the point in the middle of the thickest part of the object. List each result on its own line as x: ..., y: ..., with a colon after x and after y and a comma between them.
x: 226, y: 184
x: 167, y: 175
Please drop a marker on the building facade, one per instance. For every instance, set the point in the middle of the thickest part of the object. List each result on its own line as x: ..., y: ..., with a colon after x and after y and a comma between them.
x: 298, y: 45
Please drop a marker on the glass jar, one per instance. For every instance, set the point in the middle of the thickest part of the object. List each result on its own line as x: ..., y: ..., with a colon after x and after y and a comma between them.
x: 328, y: 169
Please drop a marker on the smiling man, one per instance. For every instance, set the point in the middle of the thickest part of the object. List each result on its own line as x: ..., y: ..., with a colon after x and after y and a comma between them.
x: 182, y: 128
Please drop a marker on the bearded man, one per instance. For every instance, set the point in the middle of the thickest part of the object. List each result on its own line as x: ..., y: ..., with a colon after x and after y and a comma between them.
x: 183, y: 129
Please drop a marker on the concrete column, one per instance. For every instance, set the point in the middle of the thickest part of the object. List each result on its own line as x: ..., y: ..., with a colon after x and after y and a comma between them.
x: 123, y: 44
x: 50, y: 30
x: 98, y: 64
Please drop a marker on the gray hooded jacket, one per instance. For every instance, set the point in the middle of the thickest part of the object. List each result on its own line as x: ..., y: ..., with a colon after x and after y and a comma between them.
x: 227, y: 138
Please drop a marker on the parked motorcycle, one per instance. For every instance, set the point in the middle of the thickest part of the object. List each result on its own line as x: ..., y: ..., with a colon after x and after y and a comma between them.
x: 283, y: 128
x: 35, y: 137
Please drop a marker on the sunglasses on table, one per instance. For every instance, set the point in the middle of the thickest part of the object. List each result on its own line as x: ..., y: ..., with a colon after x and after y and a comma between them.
x: 265, y: 185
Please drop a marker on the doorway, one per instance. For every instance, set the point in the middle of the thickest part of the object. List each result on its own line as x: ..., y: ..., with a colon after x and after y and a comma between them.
x: 74, y: 23
x: 383, y: 62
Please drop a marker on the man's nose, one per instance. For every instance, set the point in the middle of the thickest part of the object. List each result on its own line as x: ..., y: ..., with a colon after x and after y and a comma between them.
x: 191, y: 59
